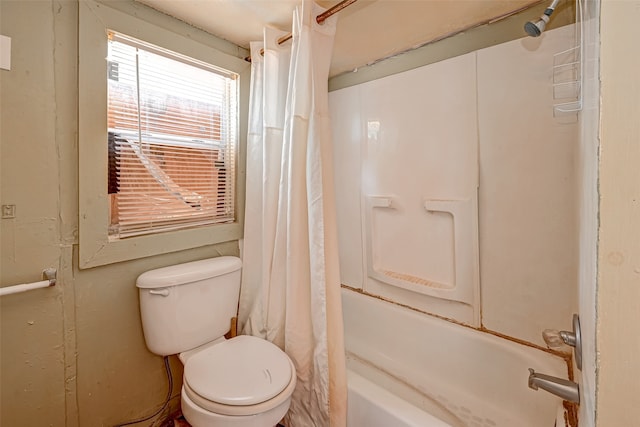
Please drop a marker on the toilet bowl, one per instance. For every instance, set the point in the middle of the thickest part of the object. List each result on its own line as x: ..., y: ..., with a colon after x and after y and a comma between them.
x: 243, y: 381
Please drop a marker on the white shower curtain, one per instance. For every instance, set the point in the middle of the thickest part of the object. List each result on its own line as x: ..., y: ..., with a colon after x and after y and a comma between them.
x: 291, y: 286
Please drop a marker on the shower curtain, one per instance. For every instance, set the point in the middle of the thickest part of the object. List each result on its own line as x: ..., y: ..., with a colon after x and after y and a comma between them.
x: 291, y: 286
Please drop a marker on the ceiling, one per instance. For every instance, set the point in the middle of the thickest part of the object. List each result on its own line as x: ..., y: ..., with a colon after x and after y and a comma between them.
x: 367, y: 31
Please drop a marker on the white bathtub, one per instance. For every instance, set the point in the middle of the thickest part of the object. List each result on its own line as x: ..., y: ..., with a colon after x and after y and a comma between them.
x: 372, y: 406
x: 408, y: 369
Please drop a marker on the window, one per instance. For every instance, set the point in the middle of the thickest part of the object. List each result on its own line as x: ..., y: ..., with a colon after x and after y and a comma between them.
x: 160, y: 140
x: 172, y: 135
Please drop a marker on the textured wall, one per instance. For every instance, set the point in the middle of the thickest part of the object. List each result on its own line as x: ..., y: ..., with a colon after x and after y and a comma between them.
x: 72, y: 355
x: 618, y: 337
x: 33, y: 324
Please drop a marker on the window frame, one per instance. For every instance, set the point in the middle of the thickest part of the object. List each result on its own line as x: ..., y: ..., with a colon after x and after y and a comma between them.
x: 95, y: 247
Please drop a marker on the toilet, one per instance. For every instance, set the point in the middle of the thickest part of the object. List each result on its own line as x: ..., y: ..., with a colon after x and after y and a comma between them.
x: 186, y: 309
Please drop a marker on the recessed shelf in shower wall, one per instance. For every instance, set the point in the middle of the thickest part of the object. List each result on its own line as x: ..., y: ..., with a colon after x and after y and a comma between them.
x: 465, y: 279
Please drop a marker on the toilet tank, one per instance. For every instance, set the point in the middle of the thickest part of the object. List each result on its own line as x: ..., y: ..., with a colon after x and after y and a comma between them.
x: 187, y: 305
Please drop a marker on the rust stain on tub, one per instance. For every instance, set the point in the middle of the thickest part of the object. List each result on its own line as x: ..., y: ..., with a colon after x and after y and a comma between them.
x: 570, y: 414
x: 378, y: 297
x: 565, y: 356
x: 571, y: 411
x: 413, y: 279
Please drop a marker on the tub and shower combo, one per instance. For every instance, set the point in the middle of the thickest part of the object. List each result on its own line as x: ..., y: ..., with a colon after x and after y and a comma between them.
x: 410, y: 151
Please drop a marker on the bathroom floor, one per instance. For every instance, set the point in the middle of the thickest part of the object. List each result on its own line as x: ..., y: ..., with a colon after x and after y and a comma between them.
x: 181, y: 422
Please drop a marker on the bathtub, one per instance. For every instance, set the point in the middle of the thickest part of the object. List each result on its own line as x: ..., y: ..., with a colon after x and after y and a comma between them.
x: 369, y: 405
x: 408, y: 369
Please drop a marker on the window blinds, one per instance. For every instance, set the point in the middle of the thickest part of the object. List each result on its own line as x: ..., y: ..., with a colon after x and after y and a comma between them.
x: 172, y: 140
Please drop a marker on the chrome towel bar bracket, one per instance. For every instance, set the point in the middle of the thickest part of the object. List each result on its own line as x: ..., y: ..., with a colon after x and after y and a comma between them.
x: 49, y: 276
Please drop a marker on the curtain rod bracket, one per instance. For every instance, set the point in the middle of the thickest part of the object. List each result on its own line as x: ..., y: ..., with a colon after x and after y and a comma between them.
x: 319, y: 19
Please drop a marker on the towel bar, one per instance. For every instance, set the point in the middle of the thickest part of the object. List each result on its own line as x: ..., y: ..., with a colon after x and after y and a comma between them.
x: 48, y: 274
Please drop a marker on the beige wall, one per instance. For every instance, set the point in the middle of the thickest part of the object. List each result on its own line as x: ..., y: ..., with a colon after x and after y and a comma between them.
x: 72, y: 355
x: 507, y: 29
x: 33, y: 350
x: 618, y: 329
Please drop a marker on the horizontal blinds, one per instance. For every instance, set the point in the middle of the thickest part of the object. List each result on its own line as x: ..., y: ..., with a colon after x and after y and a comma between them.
x: 172, y: 128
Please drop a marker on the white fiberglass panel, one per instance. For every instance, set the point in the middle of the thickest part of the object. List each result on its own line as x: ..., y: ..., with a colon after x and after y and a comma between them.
x: 528, y: 190
x: 407, y: 184
x: 348, y: 133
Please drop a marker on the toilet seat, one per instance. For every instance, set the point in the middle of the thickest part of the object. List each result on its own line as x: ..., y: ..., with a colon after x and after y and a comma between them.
x: 242, y: 376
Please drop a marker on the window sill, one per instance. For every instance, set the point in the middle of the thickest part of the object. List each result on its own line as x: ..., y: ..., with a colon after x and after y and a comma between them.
x: 98, y: 252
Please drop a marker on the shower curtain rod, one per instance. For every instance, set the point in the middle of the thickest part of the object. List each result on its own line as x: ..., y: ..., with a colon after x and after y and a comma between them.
x: 319, y: 19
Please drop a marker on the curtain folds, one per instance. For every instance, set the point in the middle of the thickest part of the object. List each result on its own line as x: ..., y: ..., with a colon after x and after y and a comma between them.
x: 291, y: 287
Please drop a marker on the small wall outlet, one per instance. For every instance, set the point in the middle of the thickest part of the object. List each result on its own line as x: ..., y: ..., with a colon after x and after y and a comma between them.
x: 8, y: 211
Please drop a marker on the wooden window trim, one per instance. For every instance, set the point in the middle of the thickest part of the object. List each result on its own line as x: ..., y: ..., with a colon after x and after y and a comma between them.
x: 95, y: 247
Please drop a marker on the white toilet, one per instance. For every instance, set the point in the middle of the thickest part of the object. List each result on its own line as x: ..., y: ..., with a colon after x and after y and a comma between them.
x: 241, y: 382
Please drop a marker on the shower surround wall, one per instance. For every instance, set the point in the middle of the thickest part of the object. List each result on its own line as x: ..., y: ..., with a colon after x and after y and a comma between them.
x: 437, y: 133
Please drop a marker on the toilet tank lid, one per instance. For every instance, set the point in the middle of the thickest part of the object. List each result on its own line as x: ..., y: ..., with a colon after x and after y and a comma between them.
x: 181, y: 274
